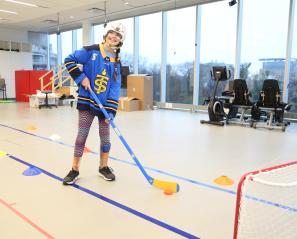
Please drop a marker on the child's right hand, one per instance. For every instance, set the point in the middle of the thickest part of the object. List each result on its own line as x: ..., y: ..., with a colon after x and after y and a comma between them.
x: 86, y: 83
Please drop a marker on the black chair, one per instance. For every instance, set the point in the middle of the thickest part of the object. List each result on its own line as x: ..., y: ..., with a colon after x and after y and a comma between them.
x: 239, y: 101
x: 270, y: 107
x: 46, y: 104
x: 3, y: 88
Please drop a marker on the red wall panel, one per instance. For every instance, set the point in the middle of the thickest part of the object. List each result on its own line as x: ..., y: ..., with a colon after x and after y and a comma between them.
x: 27, y: 82
x: 22, y: 85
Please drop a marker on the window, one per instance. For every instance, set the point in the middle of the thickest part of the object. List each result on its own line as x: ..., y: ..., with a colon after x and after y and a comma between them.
x: 39, y: 43
x: 263, y: 42
x: 53, y: 50
x: 79, y: 39
x: 66, y: 39
x: 292, y: 88
x: 150, y: 37
x: 217, y: 44
x: 98, y: 33
x: 180, y: 55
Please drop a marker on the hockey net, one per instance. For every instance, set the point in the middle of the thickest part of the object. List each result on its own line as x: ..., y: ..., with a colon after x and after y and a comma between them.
x: 266, y: 205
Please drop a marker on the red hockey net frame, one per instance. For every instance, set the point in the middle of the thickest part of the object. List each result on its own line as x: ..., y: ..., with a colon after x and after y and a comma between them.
x: 249, y: 176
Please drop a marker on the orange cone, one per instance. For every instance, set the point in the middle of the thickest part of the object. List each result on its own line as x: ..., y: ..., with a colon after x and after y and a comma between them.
x: 31, y: 128
x: 224, y: 180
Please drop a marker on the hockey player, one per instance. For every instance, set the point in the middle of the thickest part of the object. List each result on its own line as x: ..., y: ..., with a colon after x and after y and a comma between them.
x: 101, y: 71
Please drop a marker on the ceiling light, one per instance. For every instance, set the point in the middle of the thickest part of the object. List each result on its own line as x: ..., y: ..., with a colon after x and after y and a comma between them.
x: 1, y: 10
x: 126, y: 3
x: 49, y: 21
x: 22, y: 3
x: 95, y: 10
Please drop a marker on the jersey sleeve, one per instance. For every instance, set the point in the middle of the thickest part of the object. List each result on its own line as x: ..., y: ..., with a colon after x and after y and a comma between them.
x: 71, y: 62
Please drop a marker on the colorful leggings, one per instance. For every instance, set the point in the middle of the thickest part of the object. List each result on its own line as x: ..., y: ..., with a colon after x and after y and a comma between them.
x: 85, y: 119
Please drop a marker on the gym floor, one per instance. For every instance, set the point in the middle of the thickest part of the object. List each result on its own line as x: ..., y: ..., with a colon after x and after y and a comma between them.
x: 172, y: 145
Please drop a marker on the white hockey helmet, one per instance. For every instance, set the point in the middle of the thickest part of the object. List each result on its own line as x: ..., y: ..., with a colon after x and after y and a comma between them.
x: 118, y: 28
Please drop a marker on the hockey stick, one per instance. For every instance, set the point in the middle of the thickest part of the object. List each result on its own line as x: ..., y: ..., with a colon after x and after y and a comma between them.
x: 165, y: 185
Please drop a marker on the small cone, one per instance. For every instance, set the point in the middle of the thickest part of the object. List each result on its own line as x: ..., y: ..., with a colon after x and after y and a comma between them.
x: 55, y: 137
x: 87, y: 150
x: 2, y: 154
x: 224, y: 180
x: 32, y: 171
x: 31, y: 128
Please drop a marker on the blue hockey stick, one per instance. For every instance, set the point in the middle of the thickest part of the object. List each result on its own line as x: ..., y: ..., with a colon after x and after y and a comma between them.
x: 165, y: 185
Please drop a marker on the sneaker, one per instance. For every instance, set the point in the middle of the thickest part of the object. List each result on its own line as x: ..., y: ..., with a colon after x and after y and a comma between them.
x: 71, y: 177
x: 106, y: 173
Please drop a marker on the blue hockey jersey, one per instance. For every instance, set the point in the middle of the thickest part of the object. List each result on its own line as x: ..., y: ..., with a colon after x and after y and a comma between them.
x: 99, y: 69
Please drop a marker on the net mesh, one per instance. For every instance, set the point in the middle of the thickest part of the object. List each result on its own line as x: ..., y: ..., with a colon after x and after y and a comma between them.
x: 268, y: 205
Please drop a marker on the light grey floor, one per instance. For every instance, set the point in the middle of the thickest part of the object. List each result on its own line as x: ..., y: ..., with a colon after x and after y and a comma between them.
x: 173, y: 145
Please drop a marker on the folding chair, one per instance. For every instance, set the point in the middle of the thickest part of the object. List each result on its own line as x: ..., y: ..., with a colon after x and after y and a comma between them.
x: 3, y: 88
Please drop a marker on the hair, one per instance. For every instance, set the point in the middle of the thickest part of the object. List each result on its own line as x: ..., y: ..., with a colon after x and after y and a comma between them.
x: 117, y: 60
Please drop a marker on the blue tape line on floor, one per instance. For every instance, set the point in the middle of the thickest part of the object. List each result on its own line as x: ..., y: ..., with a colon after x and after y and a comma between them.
x: 130, y: 163
x: 171, y: 175
x: 114, y: 203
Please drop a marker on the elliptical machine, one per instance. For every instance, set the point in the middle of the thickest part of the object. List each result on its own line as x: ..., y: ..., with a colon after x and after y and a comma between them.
x: 215, y: 107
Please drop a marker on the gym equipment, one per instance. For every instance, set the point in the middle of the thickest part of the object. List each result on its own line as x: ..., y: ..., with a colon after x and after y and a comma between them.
x: 270, y: 108
x: 239, y: 101
x: 215, y: 107
x: 165, y: 185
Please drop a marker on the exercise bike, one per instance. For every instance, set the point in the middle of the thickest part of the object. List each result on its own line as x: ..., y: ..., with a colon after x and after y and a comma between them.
x: 215, y: 107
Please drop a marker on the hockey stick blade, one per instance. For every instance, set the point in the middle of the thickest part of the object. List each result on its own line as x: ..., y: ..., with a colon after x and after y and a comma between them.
x: 165, y: 185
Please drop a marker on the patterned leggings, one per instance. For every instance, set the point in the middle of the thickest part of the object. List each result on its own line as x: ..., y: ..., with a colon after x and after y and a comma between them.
x: 84, y: 124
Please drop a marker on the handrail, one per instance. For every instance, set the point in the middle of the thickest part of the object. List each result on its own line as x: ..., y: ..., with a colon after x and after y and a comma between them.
x: 57, y: 76
x: 42, y: 78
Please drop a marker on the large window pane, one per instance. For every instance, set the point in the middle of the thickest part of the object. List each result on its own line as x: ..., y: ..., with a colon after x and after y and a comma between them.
x: 150, y: 39
x: 79, y: 40
x: 39, y: 43
x: 53, y: 50
x: 292, y: 89
x: 264, y: 38
x: 98, y: 33
x: 217, y: 44
x: 180, y: 55
x: 66, y: 39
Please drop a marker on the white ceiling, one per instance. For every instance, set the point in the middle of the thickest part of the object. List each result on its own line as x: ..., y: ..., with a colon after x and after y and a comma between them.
x: 73, y: 12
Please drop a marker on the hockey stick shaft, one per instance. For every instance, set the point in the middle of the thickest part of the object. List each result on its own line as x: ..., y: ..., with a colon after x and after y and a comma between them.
x: 174, y: 187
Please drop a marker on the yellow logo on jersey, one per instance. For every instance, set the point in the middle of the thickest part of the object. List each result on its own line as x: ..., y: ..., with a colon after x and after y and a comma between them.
x: 101, y: 82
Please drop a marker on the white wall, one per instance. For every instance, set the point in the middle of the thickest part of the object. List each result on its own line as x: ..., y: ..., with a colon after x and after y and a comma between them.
x: 13, y: 35
x: 9, y: 63
x: 12, y: 61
